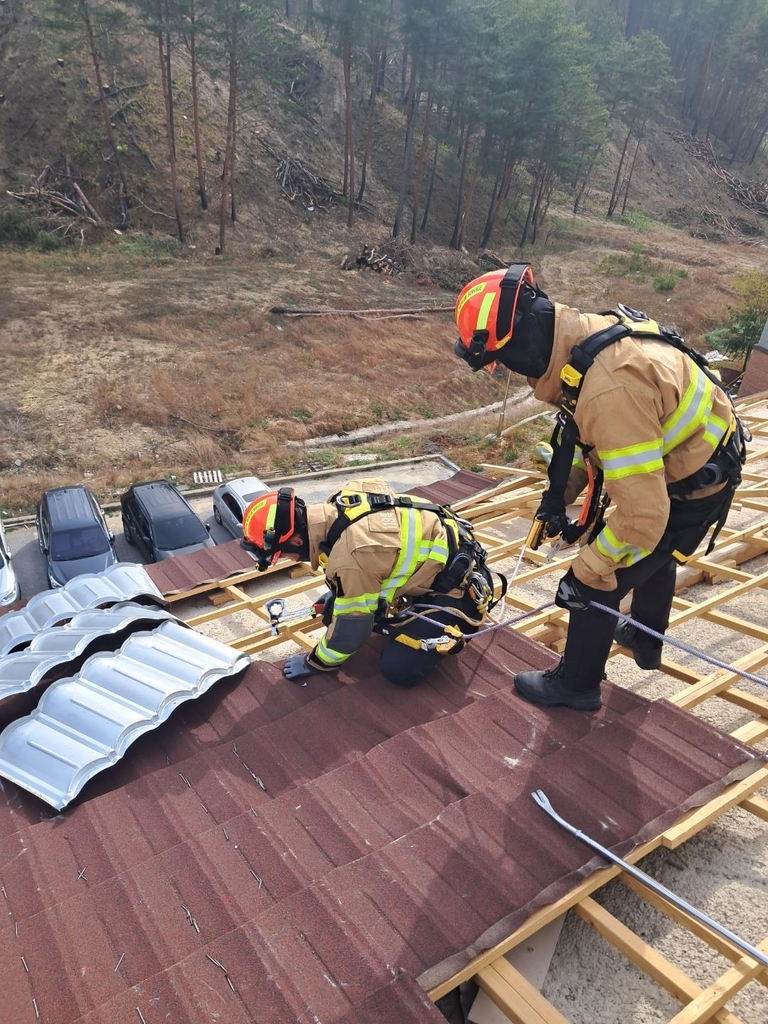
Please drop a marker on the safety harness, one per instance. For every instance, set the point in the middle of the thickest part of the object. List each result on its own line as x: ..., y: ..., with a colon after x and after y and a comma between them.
x: 465, y: 568
x: 725, y: 464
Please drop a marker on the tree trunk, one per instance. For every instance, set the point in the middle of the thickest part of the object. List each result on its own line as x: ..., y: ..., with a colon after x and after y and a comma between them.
x: 369, y: 124
x: 615, y: 193
x: 703, y: 88
x: 495, y: 206
x: 632, y: 170
x: 454, y: 242
x: 406, y: 151
x: 349, y: 132
x: 420, y: 166
x: 759, y: 144
x: 165, y: 68
x: 585, y: 182
x: 228, y: 172
x: 532, y: 203
x: 404, y: 76
x: 468, y: 205
x: 85, y: 15
x: 196, y: 108
x: 433, y: 172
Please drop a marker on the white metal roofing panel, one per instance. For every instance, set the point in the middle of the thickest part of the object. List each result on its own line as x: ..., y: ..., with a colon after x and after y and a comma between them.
x: 124, y: 581
x: 57, y: 645
x: 86, y: 722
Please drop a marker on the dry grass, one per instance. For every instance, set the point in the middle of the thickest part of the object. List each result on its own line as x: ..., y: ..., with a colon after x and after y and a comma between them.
x: 142, y: 367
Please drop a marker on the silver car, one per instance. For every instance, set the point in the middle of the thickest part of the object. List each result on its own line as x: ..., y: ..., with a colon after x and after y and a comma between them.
x: 230, y: 500
x: 9, y: 584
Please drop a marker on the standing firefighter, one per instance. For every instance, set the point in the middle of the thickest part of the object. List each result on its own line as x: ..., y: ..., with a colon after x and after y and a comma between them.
x: 385, y: 557
x: 639, y: 411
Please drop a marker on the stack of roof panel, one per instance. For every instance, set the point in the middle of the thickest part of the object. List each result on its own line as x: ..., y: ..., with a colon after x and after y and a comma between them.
x: 123, y: 581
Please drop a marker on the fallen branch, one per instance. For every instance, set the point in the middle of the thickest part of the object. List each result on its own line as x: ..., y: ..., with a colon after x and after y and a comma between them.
x: 97, y: 219
x: 294, y: 311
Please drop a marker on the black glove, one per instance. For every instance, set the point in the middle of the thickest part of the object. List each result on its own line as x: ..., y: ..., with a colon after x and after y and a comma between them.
x: 323, y: 607
x: 571, y: 594
x: 296, y: 669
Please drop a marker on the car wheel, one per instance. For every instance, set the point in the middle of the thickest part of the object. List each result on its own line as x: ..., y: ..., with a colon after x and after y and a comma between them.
x: 217, y: 514
x: 130, y: 536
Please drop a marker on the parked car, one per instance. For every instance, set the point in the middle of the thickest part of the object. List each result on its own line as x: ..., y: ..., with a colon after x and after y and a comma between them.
x: 160, y: 520
x: 230, y: 500
x: 10, y: 590
x: 73, y: 534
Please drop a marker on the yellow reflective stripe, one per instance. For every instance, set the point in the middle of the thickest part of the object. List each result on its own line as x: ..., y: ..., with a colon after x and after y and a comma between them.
x: 716, y: 430
x: 692, y: 412
x: 632, y: 460
x: 478, y: 288
x: 485, y: 310
x: 578, y: 461
x: 609, y: 545
x: 327, y: 655
x: 410, y: 540
x: 364, y: 604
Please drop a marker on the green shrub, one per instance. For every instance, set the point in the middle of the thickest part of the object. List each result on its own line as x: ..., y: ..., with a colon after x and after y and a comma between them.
x: 47, y: 242
x: 17, y: 225
x: 636, y: 220
x: 746, y: 321
x: 639, y: 266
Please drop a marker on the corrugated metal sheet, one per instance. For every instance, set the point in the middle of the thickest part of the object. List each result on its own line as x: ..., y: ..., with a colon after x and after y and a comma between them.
x: 54, y: 647
x: 456, y: 488
x: 277, y: 854
x: 124, y: 581
x: 85, y: 723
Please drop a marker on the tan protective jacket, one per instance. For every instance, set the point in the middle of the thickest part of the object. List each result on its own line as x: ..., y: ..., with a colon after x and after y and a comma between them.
x: 382, y: 556
x: 653, y: 418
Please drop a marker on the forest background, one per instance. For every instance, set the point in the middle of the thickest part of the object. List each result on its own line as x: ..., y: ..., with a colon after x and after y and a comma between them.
x: 174, y: 170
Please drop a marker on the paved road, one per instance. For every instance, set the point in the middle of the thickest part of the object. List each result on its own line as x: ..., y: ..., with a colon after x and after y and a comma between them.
x: 29, y: 564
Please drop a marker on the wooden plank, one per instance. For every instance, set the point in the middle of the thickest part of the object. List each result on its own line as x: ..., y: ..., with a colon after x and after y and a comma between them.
x: 695, y: 820
x: 651, y: 962
x: 714, y: 998
x: 712, y: 938
x: 719, y: 680
x: 515, y: 996
x: 757, y: 805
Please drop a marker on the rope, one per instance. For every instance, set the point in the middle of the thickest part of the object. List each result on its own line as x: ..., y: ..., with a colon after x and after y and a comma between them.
x: 681, y: 645
x: 687, y: 648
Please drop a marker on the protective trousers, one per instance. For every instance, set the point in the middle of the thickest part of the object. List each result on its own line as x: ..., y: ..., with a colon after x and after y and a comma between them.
x: 406, y: 666
x: 590, y: 632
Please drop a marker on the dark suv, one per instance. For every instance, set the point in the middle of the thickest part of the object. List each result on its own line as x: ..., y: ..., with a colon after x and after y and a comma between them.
x: 73, y: 534
x: 159, y: 519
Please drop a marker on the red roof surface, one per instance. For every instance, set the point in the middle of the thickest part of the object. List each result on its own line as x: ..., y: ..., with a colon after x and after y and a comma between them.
x: 279, y: 854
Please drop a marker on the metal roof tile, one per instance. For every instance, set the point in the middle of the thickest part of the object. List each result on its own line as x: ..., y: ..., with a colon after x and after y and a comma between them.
x: 86, y: 722
x: 123, y: 581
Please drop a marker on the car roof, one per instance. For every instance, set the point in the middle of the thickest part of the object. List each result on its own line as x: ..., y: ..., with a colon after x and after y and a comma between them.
x: 70, y: 506
x: 246, y: 485
x: 160, y: 498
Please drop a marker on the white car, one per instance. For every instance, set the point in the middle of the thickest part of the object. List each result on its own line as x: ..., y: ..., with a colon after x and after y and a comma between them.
x: 9, y: 584
x: 230, y: 500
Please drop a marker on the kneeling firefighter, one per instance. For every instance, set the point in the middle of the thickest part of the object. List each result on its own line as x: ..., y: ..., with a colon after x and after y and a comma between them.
x: 638, y: 411
x: 387, y: 559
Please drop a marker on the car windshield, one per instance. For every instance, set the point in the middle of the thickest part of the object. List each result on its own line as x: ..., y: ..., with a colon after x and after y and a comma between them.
x: 179, y: 532
x: 81, y: 542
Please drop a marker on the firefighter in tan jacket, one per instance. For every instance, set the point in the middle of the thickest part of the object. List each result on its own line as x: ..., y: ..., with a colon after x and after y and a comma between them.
x: 385, y: 557
x: 648, y: 415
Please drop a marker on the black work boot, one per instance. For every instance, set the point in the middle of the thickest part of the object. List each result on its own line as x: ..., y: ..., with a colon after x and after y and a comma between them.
x: 549, y: 688
x: 645, y: 650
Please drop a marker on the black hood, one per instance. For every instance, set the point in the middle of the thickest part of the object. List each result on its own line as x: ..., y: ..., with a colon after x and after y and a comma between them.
x: 529, y: 349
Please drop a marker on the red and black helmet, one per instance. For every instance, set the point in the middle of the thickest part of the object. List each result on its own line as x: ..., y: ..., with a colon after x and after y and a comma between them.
x: 268, y: 522
x: 489, y: 310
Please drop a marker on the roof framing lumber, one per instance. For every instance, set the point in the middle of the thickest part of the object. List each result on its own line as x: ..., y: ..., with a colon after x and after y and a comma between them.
x: 501, y: 518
